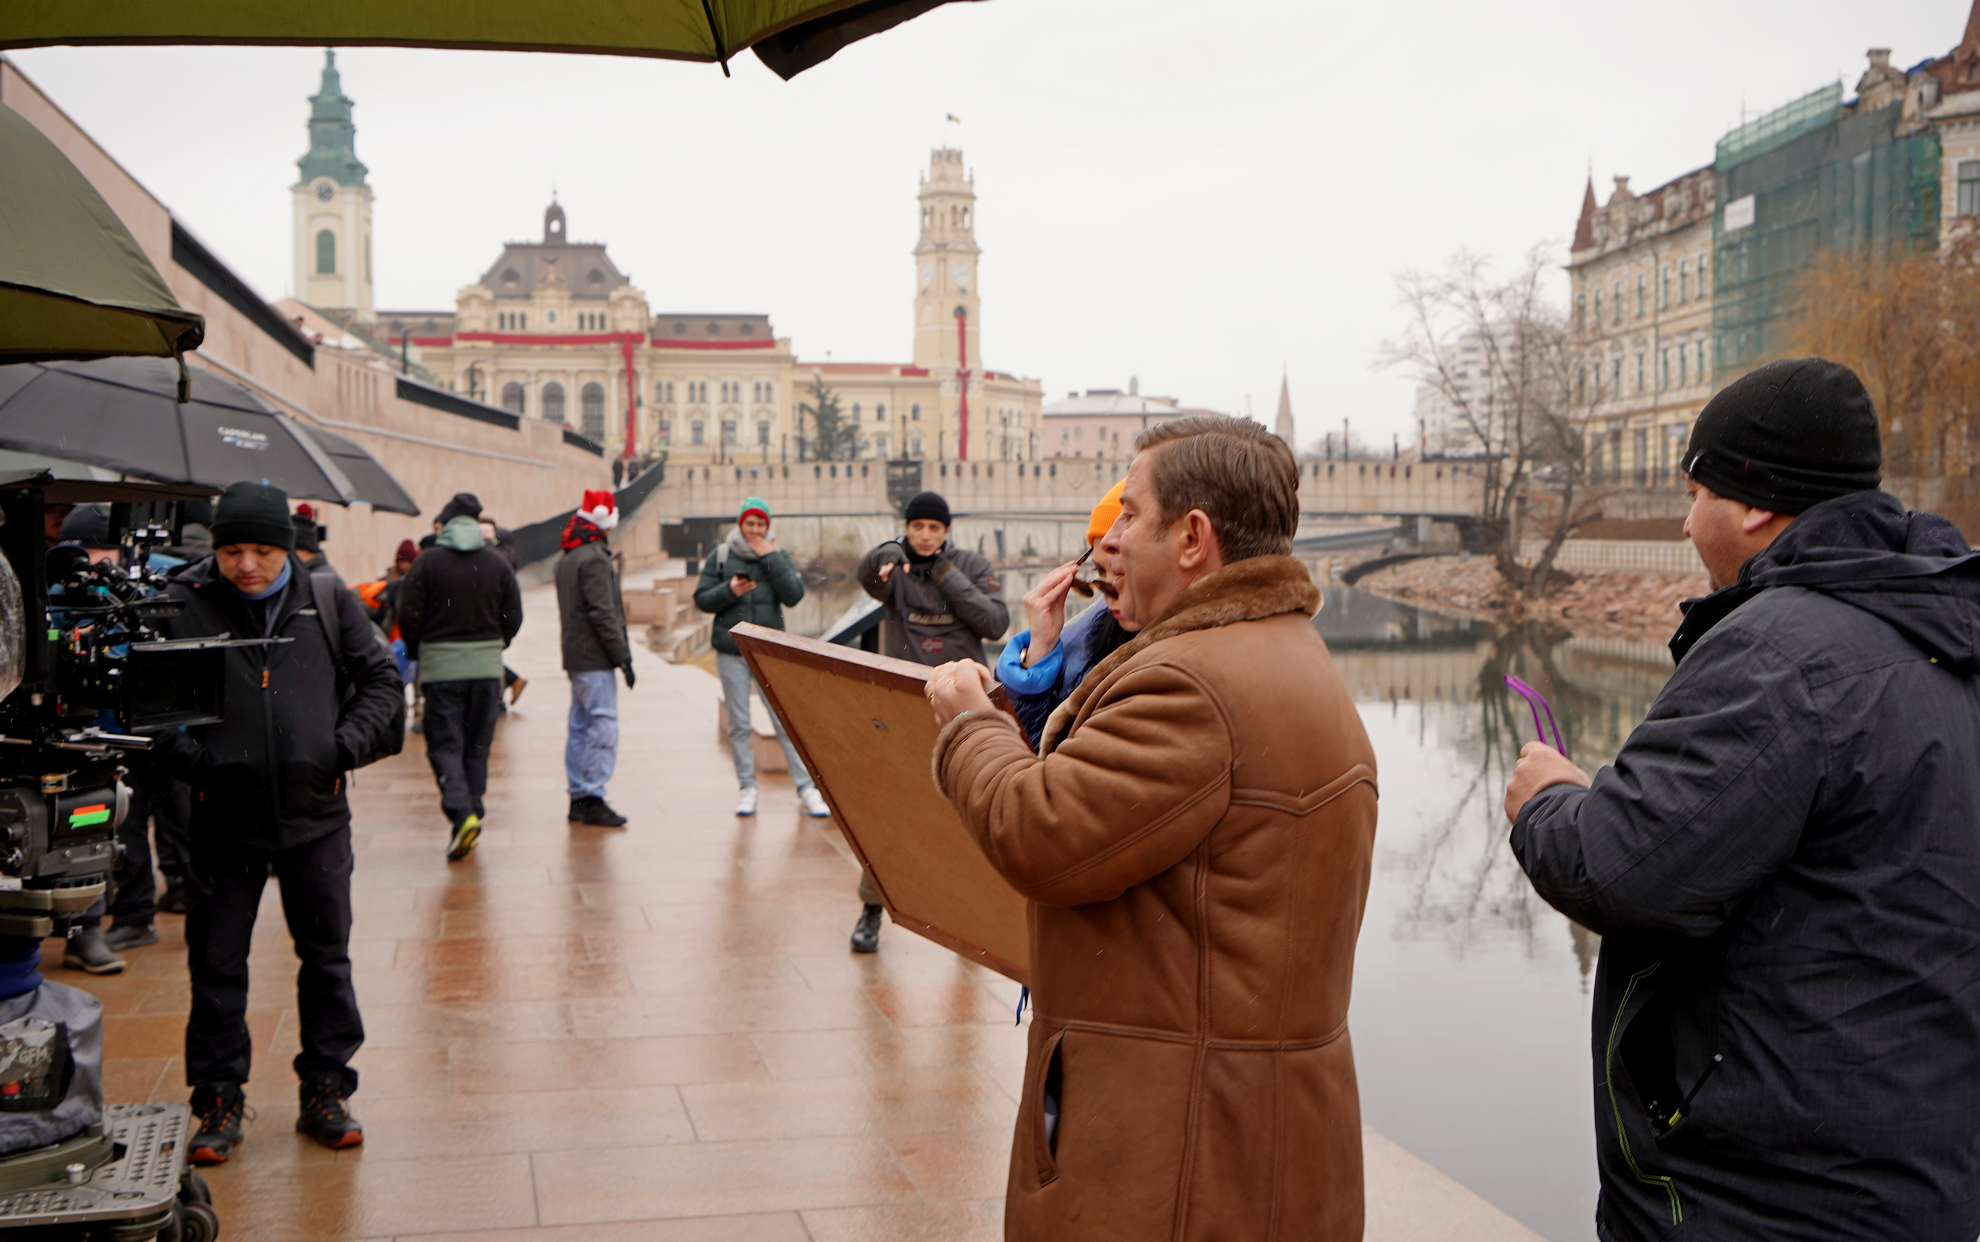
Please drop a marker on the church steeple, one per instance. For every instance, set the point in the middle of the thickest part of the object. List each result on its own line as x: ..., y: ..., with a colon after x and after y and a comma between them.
x: 1584, y: 228
x: 1283, y: 425
x: 332, y: 136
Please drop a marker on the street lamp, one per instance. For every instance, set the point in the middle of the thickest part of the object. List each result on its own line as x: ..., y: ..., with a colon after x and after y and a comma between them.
x: 405, y: 344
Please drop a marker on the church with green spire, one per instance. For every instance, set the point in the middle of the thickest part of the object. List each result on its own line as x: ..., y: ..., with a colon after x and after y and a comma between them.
x: 333, y: 207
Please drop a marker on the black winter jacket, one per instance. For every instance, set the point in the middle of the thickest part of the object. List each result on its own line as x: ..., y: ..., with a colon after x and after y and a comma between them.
x: 271, y: 775
x: 450, y: 596
x: 591, y: 610
x: 940, y: 611
x: 1784, y: 863
x: 778, y: 586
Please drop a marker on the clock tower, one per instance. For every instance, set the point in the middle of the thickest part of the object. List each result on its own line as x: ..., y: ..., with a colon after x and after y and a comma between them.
x: 945, y: 266
x: 332, y: 207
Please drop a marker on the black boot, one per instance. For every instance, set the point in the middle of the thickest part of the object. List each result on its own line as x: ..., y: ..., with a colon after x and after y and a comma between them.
x: 593, y: 811
x: 866, y: 932
x: 324, y: 1117
x: 217, y: 1111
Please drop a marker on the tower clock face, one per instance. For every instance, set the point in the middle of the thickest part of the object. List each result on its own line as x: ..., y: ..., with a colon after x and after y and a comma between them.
x: 961, y: 271
x: 325, y: 191
x: 927, y: 274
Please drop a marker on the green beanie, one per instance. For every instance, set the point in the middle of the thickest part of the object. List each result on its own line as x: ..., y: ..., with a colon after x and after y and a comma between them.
x: 756, y: 505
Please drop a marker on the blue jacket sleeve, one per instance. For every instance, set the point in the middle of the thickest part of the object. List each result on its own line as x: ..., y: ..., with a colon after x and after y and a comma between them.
x: 1039, y: 678
x: 1707, y: 799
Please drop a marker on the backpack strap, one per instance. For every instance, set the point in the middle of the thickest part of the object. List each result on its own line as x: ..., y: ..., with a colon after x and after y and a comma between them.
x: 324, y: 591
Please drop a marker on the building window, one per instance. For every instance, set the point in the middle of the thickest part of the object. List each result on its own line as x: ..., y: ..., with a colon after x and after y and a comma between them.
x: 1664, y: 375
x: 728, y: 431
x: 1684, y: 281
x: 914, y: 413
x: 553, y: 403
x: 748, y: 329
x: 594, y: 413
x: 855, y: 413
x: 1684, y: 370
x: 697, y: 433
x: 1615, y: 298
x: 1701, y: 360
x: 1598, y: 307
x: 663, y: 392
x: 1615, y: 376
x: 714, y: 329
x: 763, y: 434
x: 326, y: 253
x: 880, y: 446
x: 914, y: 447
x: 1704, y: 289
x: 1639, y: 372
x: 1969, y: 187
x: 1642, y: 294
x: 663, y: 431
x: 880, y: 412
x: 1667, y: 286
x: 512, y: 398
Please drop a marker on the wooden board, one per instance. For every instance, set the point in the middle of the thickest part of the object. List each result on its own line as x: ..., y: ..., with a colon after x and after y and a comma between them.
x: 863, y: 726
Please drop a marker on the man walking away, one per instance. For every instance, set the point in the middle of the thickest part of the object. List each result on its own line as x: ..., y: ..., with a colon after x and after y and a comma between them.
x: 750, y: 578
x: 1194, y: 835
x: 942, y: 602
x: 268, y: 798
x: 593, y: 615
x: 459, y: 607
x: 1782, y: 860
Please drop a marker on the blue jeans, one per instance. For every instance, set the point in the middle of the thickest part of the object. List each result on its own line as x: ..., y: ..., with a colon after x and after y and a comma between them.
x: 592, y: 746
x: 736, y: 683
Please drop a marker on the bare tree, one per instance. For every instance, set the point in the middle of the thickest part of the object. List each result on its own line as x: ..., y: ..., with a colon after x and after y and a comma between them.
x: 1497, y: 350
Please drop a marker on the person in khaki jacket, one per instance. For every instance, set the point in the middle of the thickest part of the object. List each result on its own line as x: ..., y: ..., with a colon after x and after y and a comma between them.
x: 1194, y: 835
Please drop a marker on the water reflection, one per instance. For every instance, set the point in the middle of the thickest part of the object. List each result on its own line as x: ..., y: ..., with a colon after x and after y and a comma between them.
x: 1470, y: 1013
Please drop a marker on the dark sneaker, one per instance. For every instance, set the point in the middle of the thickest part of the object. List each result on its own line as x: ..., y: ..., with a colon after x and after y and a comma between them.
x: 86, y: 951
x: 866, y: 932
x: 324, y: 1117
x: 174, y: 899
x: 594, y: 811
x: 466, y: 833
x: 217, y: 1111
x: 130, y: 936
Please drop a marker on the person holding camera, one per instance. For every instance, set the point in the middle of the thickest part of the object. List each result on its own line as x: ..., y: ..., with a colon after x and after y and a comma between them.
x: 269, y: 798
x: 751, y: 579
x: 593, y: 616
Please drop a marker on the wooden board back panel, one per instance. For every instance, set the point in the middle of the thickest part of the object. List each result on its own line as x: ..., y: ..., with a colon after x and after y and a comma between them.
x: 862, y: 724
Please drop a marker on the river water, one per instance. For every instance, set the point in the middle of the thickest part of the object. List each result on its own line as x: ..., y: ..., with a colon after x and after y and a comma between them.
x: 1471, y: 1004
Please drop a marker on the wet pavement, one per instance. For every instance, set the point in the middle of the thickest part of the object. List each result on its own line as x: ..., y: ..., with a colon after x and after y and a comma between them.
x: 653, y: 1033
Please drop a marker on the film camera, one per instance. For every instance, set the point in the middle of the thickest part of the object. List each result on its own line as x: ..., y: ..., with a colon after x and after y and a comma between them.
x: 85, y: 673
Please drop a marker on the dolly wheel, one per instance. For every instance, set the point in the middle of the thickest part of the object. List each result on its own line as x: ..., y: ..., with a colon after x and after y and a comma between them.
x: 198, y: 1222
x: 193, y: 1188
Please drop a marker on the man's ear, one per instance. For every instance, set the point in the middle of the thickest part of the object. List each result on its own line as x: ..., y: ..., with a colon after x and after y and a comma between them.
x: 1755, y: 519
x: 1197, y: 545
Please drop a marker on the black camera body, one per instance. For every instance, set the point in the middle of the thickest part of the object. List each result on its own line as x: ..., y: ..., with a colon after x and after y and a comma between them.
x: 79, y: 646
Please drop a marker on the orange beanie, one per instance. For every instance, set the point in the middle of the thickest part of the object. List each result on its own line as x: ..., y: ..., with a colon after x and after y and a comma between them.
x: 1104, y: 513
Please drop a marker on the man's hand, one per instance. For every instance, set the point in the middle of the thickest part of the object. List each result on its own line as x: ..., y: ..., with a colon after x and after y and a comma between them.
x: 891, y: 554
x: 762, y: 545
x: 741, y: 585
x: 963, y: 686
x: 627, y: 669
x: 1045, y: 611
x: 1539, y: 766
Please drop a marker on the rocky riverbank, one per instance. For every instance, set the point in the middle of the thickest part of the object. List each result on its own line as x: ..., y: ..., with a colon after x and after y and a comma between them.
x: 1639, y: 606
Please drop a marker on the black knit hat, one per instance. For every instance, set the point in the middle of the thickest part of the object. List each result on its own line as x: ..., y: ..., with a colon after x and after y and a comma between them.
x: 928, y: 505
x: 88, y: 525
x: 253, y: 513
x: 306, y: 538
x: 1787, y: 436
x: 464, y: 504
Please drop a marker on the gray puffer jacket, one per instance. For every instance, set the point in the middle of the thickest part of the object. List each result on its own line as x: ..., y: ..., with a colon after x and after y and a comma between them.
x: 938, y: 611
x: 1784, y: 864
x: 778, y: 586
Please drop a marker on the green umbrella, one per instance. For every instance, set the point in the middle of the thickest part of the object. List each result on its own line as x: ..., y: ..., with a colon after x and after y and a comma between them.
x: 73, y: 282
x: 790, y: 36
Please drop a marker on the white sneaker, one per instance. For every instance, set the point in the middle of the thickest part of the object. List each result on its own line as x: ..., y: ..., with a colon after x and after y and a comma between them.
x: 746, y: 801
x: 814, y: 803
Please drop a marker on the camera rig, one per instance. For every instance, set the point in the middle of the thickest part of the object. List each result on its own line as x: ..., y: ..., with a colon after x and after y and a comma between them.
x: 84, y: 672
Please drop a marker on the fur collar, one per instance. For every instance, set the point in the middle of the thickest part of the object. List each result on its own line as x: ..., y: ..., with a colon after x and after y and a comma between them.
x: 1250, y: 590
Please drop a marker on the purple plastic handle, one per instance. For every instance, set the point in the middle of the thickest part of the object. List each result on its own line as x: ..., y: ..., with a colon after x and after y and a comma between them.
x: 1538, y: 703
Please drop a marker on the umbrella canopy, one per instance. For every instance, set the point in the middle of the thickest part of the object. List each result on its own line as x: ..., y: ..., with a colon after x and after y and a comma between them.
x: 373, y: 483
x: 73, y: 282
x: 120, y: 413
x: 790, y: 36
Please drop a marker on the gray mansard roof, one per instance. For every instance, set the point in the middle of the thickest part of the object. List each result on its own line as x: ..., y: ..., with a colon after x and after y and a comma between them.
x: 582, y: 267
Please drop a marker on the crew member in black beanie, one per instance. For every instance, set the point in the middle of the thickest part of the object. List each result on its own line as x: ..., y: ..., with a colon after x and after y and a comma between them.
x: 268, y: 786
x: 309, y: 543
x: 1781, y: 861
x: 942, y: 603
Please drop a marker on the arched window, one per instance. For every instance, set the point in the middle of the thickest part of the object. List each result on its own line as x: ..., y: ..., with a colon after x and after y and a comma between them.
x: 763, y: 434
x: 594, y: 413
x: 698, y: 433
x: 326, y: 253
x: 728, y: 431
x: 714, y: 329
x: 914, y: 413
x: 594, y: 277
x: 510, y: 280
x: 880, y: 412
x: 553, y: 403
x: 855, y: 416
x: 512, y: 397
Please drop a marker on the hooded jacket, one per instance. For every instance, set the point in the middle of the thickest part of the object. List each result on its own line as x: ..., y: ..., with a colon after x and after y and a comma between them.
x: 940, y: 610
x: 1194, y: 835
x: 778, y: 586
x: 459, y: 606
x: 271, y: 774
x: 1784, y: 864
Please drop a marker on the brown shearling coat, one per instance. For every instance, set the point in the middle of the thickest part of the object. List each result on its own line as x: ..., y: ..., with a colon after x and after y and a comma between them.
x: 1194, y: 836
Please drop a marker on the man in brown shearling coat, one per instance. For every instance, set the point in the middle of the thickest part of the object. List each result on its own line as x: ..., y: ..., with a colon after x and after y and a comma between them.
x: 1194, y: 835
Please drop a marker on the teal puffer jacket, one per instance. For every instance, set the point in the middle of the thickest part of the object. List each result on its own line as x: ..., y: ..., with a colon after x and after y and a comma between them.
x: 778, y: 586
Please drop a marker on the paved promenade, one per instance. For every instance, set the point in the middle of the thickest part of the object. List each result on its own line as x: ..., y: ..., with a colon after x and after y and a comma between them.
x: 590, y: 1035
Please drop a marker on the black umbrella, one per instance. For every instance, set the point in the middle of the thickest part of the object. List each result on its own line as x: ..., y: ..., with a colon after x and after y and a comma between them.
x: 373, y: 482
x: 120, y: 413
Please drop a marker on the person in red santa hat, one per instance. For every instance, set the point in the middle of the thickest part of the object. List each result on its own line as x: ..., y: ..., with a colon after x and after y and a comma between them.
x: 594, y: 621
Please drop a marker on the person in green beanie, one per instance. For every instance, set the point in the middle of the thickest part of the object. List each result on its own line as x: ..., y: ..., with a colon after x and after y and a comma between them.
x: 749, y: 578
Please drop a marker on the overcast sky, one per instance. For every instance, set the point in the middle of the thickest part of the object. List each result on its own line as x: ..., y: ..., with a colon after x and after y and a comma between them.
x: 1193, y: 194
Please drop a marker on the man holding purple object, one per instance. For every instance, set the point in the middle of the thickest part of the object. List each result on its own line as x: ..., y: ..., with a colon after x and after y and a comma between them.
x: 1784, y: 859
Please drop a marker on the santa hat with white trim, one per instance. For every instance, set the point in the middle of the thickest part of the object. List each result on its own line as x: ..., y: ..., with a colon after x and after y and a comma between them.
x: 599, y: 509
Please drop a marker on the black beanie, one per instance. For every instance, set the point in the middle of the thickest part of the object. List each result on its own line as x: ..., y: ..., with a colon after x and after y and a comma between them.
x: 306, y: 539
x: 1787, y: 436
x: 88, y: 525
x: 253, y: 513
x: 928, y: 505
x: 464, y: 504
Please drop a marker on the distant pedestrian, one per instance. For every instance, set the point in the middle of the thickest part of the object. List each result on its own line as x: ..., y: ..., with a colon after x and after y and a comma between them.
x: 593, y: 615
x: 750, y: 578
x: 309, y: 543
x: 942, y: 603
x: 459, y: 607
x: 503, y: 541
